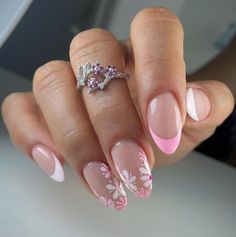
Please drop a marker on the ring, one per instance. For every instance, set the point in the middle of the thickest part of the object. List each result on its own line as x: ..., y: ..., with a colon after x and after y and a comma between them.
x: 96, y: 76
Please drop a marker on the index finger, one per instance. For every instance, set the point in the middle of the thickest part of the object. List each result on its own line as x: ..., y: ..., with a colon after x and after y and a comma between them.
x: 157, y: 40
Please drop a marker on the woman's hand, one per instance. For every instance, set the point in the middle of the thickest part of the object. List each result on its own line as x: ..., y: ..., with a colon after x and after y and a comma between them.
x: 115, y: 134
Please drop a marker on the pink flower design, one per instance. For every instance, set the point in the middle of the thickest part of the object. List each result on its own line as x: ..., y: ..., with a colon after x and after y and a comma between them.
x: 121, y: 203
x: 97, y: 68
x: 145, y: 175
x: 143, y: 193
x: 116, y: 187
x: 128, y: 179
x: 142, y: 156
x: 107, y: 201
x: 106, y: 171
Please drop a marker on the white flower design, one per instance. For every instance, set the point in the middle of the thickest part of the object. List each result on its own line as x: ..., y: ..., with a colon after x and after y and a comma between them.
x: 106, y: 171
x: 107, y: 201
x: 145, y: 175
x: 128, y: 179
x: 116, y: 187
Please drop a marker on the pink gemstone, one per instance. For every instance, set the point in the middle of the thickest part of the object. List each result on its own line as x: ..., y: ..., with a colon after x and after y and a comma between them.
x: 93, y: 82
x: 112, y: 71
x: 97, y: 68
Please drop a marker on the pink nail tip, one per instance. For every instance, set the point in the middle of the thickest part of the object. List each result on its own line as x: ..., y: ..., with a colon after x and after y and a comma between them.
x: 168, y: 146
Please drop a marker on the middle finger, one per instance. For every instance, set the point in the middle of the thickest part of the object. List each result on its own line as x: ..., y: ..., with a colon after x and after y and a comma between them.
x: 113, y: 114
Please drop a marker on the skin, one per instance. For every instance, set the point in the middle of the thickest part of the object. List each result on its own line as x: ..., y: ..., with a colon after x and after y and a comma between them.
x: 77, y: 126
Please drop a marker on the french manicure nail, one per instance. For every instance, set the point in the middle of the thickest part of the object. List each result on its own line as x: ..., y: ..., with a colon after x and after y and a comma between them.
x: 164, y: 120
x: 105, y: 186
x: 198, y: 104
x: 48, y: 162
x: 133, y: 168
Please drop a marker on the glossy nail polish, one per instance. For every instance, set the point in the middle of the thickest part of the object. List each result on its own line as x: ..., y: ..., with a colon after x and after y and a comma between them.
x: 133, y: 168
x: 48, y: 162
x: 198, y: 104
x: 164, y: 121
x: 105, y: 186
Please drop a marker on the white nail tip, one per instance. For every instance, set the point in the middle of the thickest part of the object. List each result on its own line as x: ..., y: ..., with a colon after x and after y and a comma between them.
x: 58, y: 174
x: 191, y: 105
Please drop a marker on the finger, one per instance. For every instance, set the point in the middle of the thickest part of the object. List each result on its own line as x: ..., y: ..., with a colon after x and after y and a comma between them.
x: 209, y: 103
x: 157, y: 40
x: 112, y: 112
x: 54, y: 87
x: 29, y: 133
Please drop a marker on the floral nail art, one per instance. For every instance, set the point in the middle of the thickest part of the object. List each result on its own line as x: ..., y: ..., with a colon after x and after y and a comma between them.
x: 128, y: 179
x: 142, y: 193
x: 133, y: 168
x: 107, y: 201
x: 105, y: 186
x: 116, y: 188
x: 106, y: 171
x: 145, y: 175
x: 121, y: 203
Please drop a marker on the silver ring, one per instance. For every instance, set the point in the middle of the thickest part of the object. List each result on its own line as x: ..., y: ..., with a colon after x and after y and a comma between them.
x: 96, y: 76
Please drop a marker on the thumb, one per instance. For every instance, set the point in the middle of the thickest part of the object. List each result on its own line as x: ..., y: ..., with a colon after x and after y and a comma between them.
x: 208, y: 104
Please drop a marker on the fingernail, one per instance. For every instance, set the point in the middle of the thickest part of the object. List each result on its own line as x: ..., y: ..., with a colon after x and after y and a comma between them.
x: 48, y: 162
x: 105, y: 186
x: 133, y: 168
x: 164, y: 122
x: 198, y: 104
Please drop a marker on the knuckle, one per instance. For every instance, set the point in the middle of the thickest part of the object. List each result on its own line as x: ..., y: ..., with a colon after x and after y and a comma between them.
x: 18, y: 139
x: 48, y: 77
x: 109, y: 112
x: 153, y: 16
x: 91, y: 41
x: 9, y: 102
x: 74, y: 138
x: 170, y: 63
x: 226, y: 100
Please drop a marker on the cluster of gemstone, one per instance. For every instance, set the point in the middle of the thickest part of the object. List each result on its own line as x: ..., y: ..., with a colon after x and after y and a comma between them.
x: 98, y: 75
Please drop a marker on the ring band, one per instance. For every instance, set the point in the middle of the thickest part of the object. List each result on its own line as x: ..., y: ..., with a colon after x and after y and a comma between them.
x: 96, y: 76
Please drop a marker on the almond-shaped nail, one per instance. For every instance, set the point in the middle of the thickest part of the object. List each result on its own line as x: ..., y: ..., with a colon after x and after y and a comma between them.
x: 48, y: 162
x: 105, y: 186
x: 133, y: 168
x: 164, y: 121
x: 198, y: 104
